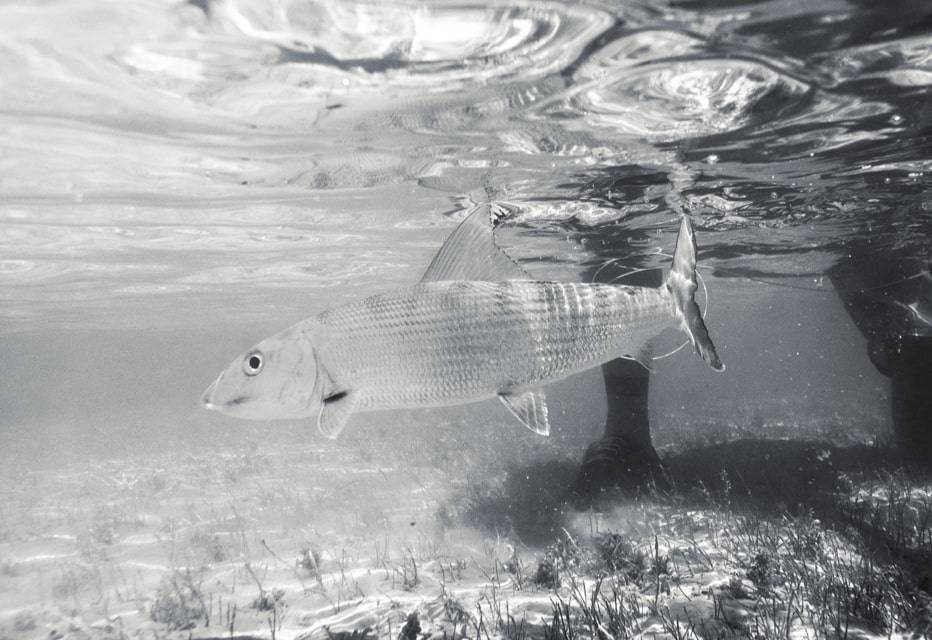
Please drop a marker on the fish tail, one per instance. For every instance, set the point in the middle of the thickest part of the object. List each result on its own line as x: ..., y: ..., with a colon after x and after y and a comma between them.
x: 681, y: 283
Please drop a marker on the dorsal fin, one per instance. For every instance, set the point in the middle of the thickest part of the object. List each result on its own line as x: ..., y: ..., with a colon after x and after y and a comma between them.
x: 470, y: 252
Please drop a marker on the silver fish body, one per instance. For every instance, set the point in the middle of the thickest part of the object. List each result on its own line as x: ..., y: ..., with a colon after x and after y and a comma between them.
x: 442, y: 343
x: 475, y: 327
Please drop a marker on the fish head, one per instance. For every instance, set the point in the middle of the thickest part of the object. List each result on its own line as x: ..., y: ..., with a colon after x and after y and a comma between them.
x: 276, y: 379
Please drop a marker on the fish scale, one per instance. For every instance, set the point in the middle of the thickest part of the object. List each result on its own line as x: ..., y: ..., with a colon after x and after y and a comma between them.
x: 443, y: 343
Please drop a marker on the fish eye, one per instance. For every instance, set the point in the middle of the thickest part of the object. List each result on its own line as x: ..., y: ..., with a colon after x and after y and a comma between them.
x: 252, y: 364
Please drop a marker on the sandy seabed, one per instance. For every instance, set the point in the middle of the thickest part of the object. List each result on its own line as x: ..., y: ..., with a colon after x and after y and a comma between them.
x: 314, y: 543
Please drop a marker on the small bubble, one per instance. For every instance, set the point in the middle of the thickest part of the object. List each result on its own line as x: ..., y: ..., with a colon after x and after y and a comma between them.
x: 774, y: 195
x: 711, y: 159
x: 886, y: 180
x: 896, y: 119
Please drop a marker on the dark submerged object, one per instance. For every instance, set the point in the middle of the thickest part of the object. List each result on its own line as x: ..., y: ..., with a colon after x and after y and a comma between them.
x: 889, y: 298
x: 624, y: 456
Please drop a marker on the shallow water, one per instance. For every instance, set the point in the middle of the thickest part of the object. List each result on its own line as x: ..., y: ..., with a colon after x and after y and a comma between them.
x: 179, y: 180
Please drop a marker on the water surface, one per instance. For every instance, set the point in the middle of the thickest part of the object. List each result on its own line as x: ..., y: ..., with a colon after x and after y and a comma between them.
x: 180, y: 179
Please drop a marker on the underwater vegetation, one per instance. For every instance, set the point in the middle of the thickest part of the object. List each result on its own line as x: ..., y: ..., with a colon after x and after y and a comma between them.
x: 250, y: 544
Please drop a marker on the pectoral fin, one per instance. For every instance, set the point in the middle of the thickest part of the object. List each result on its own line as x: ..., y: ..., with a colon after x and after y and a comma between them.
x: 334, y: 412
x: 470, y: 252
x: 530, y: 408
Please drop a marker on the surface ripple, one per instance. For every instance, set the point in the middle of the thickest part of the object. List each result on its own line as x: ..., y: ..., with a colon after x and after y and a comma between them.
x: 405, y: 43
x: 666, y: 85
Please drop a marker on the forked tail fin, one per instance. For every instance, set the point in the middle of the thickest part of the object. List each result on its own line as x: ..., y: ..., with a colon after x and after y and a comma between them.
x: 681, y: 283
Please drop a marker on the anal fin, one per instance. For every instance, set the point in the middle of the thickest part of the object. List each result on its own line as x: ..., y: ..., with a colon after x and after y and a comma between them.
x: 530, y: 408
x: 334, y: 412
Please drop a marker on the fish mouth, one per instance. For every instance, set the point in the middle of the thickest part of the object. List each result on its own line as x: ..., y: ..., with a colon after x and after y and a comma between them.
x: 208, y: 401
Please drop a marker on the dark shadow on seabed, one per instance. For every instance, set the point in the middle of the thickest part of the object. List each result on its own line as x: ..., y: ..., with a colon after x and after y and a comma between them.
x: 773, y: 477
x: 534, y: 500
x: 766, y: 478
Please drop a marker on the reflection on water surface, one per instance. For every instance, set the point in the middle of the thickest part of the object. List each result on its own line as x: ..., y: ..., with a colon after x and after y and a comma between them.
x: 195, y: 131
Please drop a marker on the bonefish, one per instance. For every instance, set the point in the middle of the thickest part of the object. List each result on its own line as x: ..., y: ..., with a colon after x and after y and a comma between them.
x: 477, y: 326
